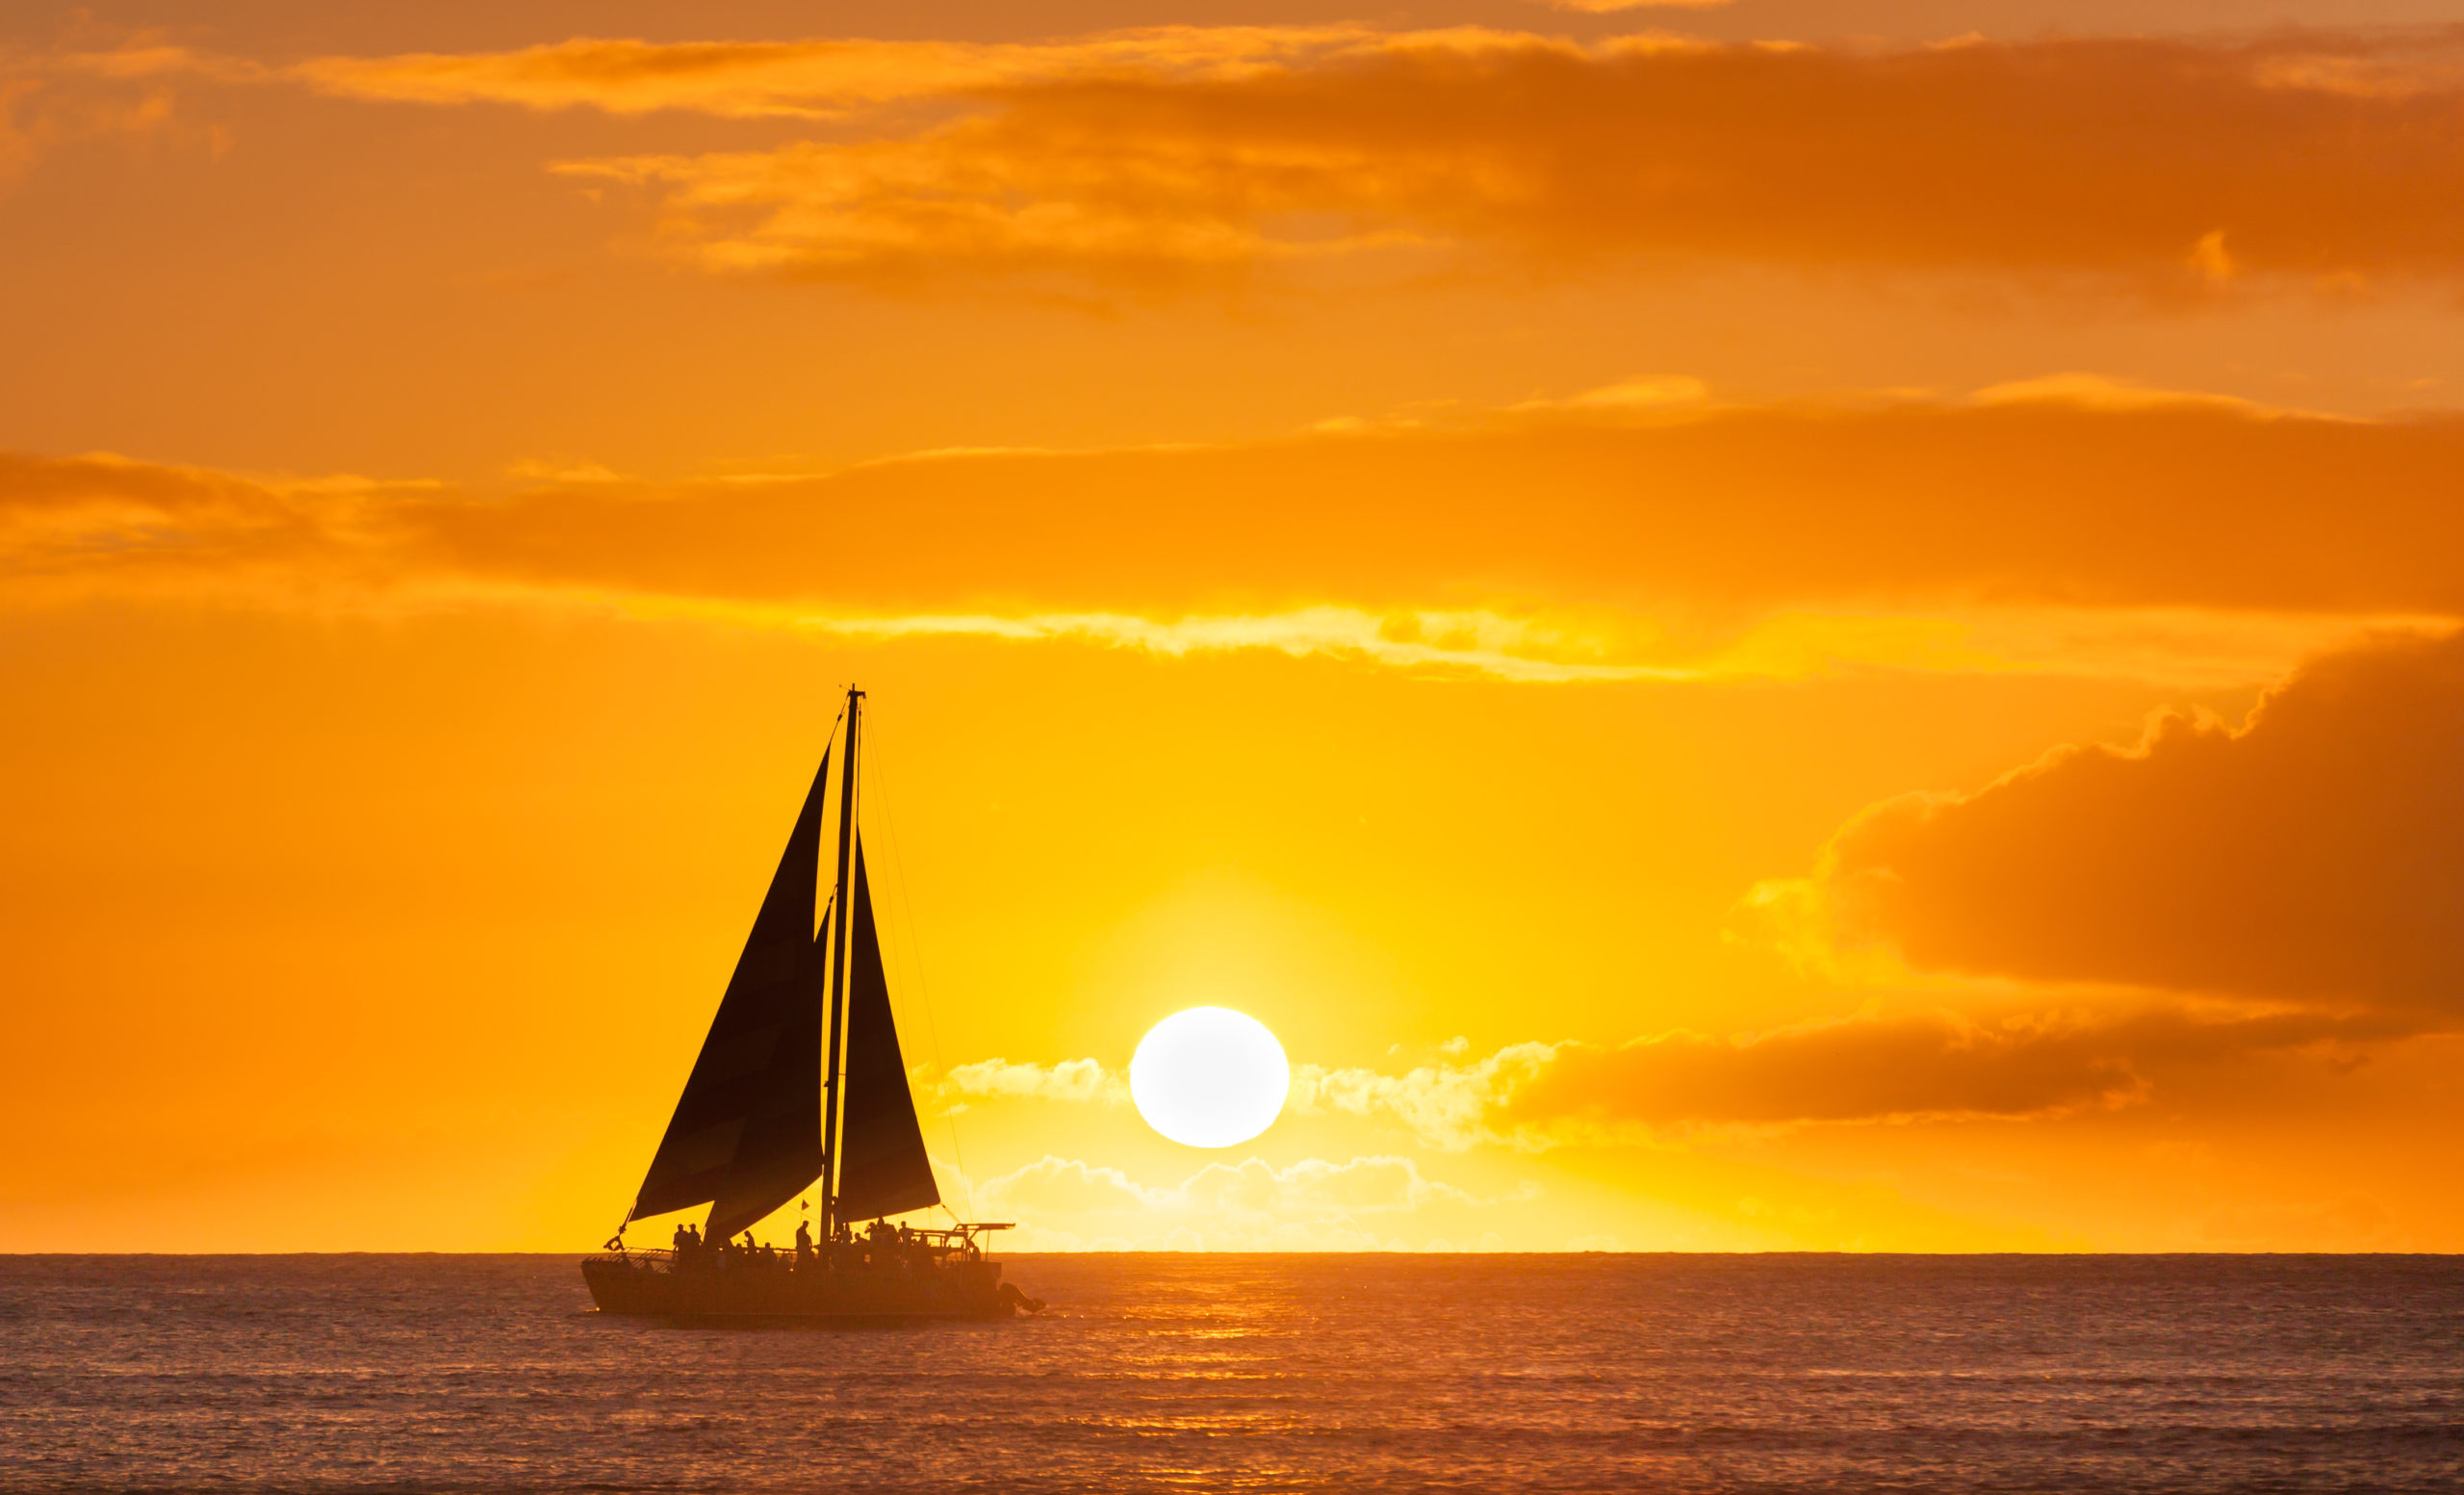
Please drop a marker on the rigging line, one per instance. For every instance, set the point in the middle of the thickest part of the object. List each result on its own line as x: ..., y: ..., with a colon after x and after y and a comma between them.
x: 923, y: 987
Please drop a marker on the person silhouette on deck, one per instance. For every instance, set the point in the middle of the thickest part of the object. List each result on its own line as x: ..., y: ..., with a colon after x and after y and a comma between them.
x: 803, y: 1242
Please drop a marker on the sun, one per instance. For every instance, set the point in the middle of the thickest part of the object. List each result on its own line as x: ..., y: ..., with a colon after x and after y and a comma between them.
x: 1209, y: 1077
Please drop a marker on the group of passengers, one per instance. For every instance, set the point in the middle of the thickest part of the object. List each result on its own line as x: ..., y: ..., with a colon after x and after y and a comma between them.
x: 883, y: 1245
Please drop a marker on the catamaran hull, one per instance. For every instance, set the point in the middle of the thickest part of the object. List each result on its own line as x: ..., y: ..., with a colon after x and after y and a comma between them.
x: 969, y: 1290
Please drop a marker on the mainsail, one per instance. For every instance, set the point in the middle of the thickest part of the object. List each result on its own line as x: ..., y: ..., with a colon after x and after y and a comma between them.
x: 883, y: 1169
x: 746, y: 1135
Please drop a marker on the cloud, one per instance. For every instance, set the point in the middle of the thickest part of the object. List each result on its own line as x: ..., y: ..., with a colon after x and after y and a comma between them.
x: 1640, y: 393
x: 2177, y: 541
x: 2029, y: 503
x: 1444, y: 1105
x: 2314, y: 853
x: 998, y: 1079
x: 51, y: 99
x: 821, y: 78
x: 1885, y: 1068
x: 1468, y: 641
x: 1150, y: 156
x: 1936, y: 1066
x: 965, y: 199
x: 1610, y: 7
x: 2097, y: 392
x: 103, y: 520
x: 2177, y: 167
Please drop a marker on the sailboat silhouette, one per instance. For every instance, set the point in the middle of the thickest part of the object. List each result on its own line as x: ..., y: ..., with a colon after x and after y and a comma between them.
x: 801, y: 1080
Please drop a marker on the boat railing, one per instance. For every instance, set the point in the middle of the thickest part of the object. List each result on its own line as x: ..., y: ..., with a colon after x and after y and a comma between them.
x: 648, y: 1258
x: 963, y: 1235
x: 956, y: 1244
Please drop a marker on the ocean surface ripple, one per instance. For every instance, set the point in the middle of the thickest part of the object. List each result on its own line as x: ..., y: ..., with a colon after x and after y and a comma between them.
x: 1777, y: 1373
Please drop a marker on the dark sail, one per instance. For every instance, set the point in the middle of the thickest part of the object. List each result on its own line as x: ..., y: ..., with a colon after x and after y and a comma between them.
x: 882, y: 1166
x: 747, y: 1133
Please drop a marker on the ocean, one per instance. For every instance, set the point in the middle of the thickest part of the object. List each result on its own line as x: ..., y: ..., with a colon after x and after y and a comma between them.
x: 1629, y: 1372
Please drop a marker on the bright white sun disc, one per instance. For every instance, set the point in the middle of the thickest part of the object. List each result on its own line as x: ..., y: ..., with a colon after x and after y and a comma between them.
x: 1209, y: 1077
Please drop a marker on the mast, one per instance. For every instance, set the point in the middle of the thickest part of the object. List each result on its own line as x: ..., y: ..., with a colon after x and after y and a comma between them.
x: 837, y: 1017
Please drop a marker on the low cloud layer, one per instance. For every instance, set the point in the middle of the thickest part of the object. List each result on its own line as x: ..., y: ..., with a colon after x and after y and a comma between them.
x: 813, y: 79
x: 2314, y: 853
x: 2165, y: 538
x: 1937, y: 1066
x: 1912, y: 1067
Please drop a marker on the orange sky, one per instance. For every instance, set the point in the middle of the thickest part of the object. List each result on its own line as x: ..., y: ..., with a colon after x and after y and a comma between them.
x: 1752, y: 625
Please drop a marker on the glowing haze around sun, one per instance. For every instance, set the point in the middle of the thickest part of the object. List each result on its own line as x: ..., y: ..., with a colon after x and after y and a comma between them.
x: 1210, y: 1077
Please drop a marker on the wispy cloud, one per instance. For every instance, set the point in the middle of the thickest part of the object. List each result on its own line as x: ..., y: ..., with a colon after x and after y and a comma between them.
x: 52, y: 99
x: 1612, y: 7
x: 2135, y: 542
x: 2083, y: 391
x: 1447, y: 1105
x: 1072, y: 1080
x: 818, y: 78
x: 2177, y: 167
x: 1471, y: 642
x: 1154, y: 156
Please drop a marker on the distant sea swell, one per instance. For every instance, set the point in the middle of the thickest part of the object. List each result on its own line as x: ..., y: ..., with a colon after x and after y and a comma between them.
x: 1268, y: 1373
